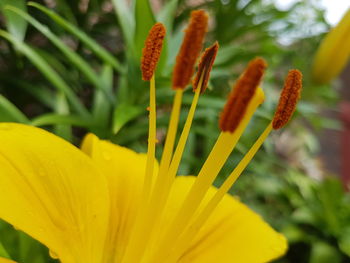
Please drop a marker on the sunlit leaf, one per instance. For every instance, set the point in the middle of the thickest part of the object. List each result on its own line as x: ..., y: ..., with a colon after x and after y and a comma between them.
x: 101, y: 110
x: 16, y: 25
x: 47, y: 71
x: 72, y: 56
x: 62, y: 108
x: 123, y: 114
x: 55, y: 119
x: 88, y: 41
x: 125, y: 17
x: 144, y: 20
x: 10, y: 113
x: 3, y: 252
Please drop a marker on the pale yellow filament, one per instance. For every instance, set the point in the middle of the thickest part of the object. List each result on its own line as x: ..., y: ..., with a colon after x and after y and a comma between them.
x: 161, y: 191
x: 153, y: 209
x: 133, y: 252
x: 182, y: 243
x: 216, y: 159
x: 172, y: 130
x: 156, y: 200
x: 151, y: 140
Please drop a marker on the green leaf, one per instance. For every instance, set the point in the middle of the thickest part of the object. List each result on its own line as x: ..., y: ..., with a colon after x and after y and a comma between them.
x: 47, y: 71
x: 10, y: 113
x: 100, y: 109
x: 41, y: 93
x: 64, y: 8
x: 55, y: 119
x: 16, y: 25
x: 144, y: 21
x: 62, y: 108
x: 3, y: 252
x: 123, y: 114
x: 126, y: 21
x: 167, y: 14
x: 73, y: 57
x: 89, y: 42
x: 173, y: 49
x: 322, y: 252
x: 294, y: 233
x: 344, y: 241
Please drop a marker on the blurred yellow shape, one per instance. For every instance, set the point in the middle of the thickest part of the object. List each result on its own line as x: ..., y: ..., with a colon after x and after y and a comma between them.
x: 333, y: 53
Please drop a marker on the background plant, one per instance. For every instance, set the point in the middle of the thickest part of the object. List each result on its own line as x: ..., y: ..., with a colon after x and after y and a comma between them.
x: 73, y: 66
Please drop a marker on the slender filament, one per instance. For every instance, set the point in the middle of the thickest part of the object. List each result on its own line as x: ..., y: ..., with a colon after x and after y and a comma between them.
x: 216, y: 159
x: 134, y: 251
x: 182, y: 243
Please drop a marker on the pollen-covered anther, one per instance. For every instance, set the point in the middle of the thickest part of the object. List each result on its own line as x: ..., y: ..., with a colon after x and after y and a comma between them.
x: 152, y: 50
x: 204, y: 67
x: 241, y: 94
x: 289, y: 99
x: 190, y: 49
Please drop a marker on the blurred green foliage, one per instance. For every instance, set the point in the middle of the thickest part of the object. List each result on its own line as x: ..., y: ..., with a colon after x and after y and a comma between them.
x: 73, y: 67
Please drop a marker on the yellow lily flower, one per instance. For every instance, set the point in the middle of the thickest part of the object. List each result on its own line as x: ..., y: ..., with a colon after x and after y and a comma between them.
x: 105, y: 203
x: 333, y: 52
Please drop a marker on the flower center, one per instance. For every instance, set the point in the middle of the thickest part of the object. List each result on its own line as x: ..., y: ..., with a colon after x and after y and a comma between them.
x: 243, y: 101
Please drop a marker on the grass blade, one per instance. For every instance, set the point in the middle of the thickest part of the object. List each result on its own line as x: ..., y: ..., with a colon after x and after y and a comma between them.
x: 56, y: 119
x: 16, y: 25
x: 123, y: 114
x: 101, y: 110
x: 63, y: 130
x: 47, y: 71
x: 144, y: 21
x: 167, y: 14
x: 3, y: 252
x: 73, y: 57
x: 126, y: 21
x: 10, y: 113
x: 83, y: 37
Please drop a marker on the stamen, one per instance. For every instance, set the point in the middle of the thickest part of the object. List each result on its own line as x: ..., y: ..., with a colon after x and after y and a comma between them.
x: 205, y: 66
x: 216, y: 159
x: 241, y: 94
x: 151, y: 54
x: 190, y: 49
x: 151, y: 51
x: 195, y: 226
x: 175, y: 162
x: 289, y: 99
x: 144, y: 229
x: 167, y: 173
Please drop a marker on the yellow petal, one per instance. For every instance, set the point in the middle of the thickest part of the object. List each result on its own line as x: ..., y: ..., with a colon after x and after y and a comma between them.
x: 233, y: 233
x: 125, y: 171
x: 333, y: 53
x: 5, y: 260
x: 53, y: 192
